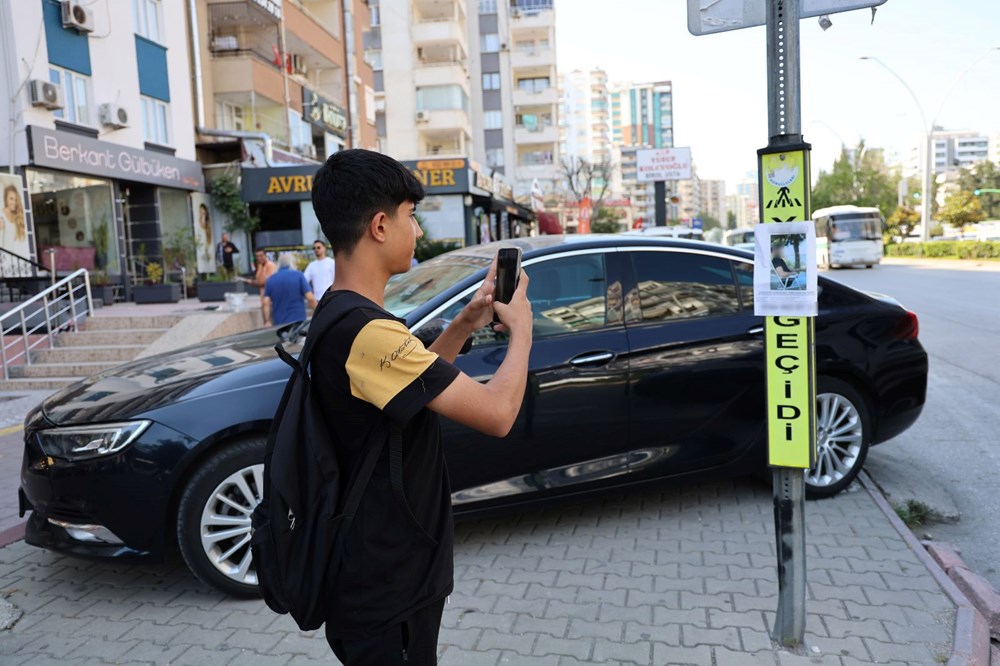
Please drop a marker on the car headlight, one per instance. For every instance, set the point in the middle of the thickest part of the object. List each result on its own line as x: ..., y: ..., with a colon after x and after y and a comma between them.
x: 93, y: 441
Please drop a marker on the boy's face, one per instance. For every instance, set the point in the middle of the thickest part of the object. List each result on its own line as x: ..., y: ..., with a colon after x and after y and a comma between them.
x: 403, y: 238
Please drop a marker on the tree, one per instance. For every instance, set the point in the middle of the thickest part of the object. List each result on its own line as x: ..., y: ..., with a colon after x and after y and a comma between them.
x: 607, y: 221
x: 858, y: 177
x: 984, y: 175
x: 226, y: 196
x: 962, y: 209
x: 730, y: 219
x: 588, y: 179
x: 902, y: 221
x: 708, y: 222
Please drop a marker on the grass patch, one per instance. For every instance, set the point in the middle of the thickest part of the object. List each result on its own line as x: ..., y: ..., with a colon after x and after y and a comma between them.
x: 913, y: 514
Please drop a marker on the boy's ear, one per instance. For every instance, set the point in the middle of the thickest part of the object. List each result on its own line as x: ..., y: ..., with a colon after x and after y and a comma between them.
x: 377, y: 227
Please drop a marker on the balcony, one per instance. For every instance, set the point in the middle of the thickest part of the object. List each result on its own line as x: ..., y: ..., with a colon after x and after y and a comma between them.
x: 442, y: 120
x: 538, y: 134
x: 536, y: 97
x: 533, y: 58
x: 531, y: 19
x: 441, y: 74
x: 439, y: 32
x: 444, y: 143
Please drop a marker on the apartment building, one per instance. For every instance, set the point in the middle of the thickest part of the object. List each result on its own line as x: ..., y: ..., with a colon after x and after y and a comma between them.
x: 713, y: 200
x: 585, y: 119
x: 444, y: 108
x: 953, y: 150
x: 641, y: 117
x: 532, y: 42
x: 278, y: 87
x: 98, y: 134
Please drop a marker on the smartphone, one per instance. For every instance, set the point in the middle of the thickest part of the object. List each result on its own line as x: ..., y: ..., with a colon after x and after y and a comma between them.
x: 508, y: 274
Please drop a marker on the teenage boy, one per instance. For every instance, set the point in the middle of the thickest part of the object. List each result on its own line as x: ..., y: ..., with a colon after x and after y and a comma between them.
x: 398, y: 563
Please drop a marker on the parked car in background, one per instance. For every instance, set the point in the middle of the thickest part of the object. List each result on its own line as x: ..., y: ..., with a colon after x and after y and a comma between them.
x: 647, y: 364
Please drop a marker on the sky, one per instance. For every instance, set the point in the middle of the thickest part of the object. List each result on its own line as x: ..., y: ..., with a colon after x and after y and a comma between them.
x: 942, y: 49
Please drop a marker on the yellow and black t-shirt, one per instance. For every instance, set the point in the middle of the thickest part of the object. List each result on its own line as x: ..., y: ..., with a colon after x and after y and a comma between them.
x: 398, y: 558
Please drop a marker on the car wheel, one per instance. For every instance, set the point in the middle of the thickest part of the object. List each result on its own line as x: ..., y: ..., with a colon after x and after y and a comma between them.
x: 843, y: 431
x: 868, y: 265
x: 213, y: 522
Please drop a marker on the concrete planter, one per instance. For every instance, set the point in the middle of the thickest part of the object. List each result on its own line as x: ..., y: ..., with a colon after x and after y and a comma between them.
x: 105, y: 292
x: 216, y: 291
x: 157, y: 293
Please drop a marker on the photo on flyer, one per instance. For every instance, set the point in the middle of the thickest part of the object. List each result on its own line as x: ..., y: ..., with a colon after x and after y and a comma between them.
x: 785, y: 269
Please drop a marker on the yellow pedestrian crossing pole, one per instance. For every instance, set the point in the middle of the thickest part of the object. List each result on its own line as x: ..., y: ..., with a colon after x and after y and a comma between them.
x: 783, y: 174
x: 790, y: 339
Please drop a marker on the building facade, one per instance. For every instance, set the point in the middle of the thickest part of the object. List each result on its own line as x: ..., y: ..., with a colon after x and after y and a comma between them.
x: 532, y: 45
x: 953, y: 150
x: 98, y: 143
x: 278, y: 85
x: 642, y: 117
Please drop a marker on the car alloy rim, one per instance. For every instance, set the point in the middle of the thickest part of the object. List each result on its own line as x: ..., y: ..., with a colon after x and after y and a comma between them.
x: 839, y: 434
x: 225, y: 523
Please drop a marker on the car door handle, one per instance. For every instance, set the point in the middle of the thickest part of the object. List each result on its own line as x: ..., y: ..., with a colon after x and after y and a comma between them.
x: 594, y: 358
x: 756, y: 330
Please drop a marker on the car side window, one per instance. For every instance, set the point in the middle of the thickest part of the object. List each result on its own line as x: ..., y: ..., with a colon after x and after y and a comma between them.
x: 682, y: 285
x: 744, y: 278
x: 567, y: 294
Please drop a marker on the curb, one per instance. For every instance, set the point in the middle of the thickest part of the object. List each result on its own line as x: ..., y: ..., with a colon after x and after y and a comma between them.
x: 12, y: 534
x: 975, y: 587
x: 971, y: 645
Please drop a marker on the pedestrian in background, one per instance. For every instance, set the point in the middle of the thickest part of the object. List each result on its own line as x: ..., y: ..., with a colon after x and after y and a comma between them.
x: 320, y: 271
x: 263, y: 269
x: 286, y: 294
x: 224, y: 252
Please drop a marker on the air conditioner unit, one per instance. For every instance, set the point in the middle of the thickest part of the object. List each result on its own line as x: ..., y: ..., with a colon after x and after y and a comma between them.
x: 423, y: 116
x: 76, y: 16
x: 113, y: 115
x: 44, y: 93
x: 299, y: 65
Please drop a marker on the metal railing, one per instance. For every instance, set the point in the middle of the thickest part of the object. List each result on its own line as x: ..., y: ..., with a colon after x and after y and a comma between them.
x: 59, y: 308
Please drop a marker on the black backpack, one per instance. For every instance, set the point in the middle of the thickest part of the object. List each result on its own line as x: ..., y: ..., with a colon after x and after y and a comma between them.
x: 301, y: 524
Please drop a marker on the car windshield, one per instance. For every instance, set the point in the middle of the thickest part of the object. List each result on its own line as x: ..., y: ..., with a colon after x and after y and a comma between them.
x: 407, y: 291
x: 855, y: 227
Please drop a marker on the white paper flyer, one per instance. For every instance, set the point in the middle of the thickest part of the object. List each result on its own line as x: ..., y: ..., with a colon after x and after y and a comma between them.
x: 784, y: 275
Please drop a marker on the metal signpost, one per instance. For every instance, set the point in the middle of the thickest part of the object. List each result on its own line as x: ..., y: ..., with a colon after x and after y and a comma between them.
x: 790, y: 339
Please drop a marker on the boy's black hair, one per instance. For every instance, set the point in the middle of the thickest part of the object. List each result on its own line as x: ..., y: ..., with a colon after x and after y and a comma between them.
x: 352, y: 187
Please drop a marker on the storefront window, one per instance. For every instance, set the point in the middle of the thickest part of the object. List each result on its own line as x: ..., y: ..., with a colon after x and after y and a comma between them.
x: 74, y: 215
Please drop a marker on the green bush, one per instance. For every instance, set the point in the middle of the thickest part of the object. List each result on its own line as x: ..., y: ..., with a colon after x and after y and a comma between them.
x: 946, y: 249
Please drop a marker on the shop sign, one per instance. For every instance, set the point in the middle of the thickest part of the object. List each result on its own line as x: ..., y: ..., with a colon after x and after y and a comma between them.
x: 82, y: 154
x: 324, y: 113
x: 441, y: 176
x: 278, y: 184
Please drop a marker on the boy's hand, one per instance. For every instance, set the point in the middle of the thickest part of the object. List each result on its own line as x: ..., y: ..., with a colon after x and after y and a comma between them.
x: 479, y: 311
x: 516, y: 315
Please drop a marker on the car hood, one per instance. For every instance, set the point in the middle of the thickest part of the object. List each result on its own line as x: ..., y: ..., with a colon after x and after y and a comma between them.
x: 199, y: 371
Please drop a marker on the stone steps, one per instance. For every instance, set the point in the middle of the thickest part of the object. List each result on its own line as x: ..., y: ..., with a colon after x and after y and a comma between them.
x: 104, y: 353
x: 116, y: 323
x: 107, y: 337
x: 36, y: 383
x: 72, y: 369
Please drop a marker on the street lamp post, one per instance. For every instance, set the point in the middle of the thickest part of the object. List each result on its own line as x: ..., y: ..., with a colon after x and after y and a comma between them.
x: 928, y: 166
x: 928, y: 132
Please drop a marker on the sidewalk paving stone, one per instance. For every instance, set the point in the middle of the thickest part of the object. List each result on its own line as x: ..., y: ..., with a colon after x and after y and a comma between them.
x: 566, y: 585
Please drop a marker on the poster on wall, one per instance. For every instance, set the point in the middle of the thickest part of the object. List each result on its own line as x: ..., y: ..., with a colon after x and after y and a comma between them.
x: 205, y: 235
x: 13, y: 226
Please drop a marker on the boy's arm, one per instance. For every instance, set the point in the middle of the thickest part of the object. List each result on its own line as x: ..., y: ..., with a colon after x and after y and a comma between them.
x: 475, y: 315
x: 492, y: 408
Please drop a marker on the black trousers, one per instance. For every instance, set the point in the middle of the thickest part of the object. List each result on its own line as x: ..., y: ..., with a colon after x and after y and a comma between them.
x: 411, y: 642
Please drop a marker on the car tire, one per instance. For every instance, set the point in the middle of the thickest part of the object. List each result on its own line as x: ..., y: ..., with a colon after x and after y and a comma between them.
x: 214, y: 533
x: 843, y: 432
x: 868, y: 265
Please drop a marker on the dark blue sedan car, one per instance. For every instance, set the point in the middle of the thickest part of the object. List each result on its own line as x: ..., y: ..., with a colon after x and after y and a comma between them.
x: 647, y: 364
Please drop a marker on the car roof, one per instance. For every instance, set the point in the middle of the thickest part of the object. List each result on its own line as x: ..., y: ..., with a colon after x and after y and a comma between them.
x: 541, y: 245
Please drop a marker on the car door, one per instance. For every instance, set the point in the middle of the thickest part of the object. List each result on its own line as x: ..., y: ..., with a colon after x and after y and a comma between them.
x: 696, y: 373
x: 572, y: 427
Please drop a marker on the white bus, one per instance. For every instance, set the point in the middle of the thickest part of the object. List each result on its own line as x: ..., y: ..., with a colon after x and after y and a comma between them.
x: 848, y: 236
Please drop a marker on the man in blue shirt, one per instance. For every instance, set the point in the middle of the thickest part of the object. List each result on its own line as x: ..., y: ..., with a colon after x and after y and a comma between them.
x: 284, y: 293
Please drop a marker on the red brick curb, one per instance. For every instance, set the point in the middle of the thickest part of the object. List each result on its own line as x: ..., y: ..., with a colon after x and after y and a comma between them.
x: 971, y: 645
x: 979, y: 590
x: 12, y: 534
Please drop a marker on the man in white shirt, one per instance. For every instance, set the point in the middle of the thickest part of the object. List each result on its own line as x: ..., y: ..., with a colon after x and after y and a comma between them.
x: 319, y: 272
